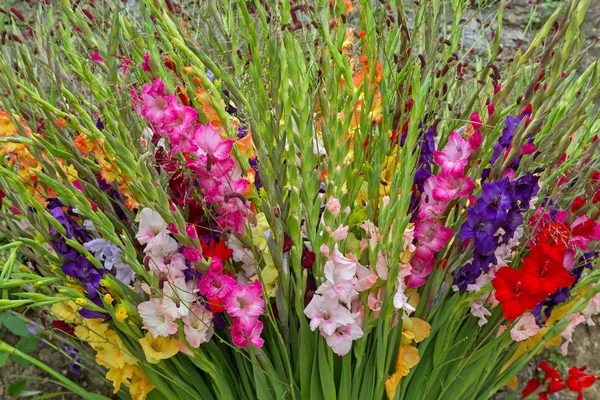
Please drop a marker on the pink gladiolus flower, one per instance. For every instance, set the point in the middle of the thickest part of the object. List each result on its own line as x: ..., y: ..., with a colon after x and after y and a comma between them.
x: 215, y: 285
x: 146, y: 63
x: 206, y: 142
x: 233, y: 217
x: 432, y: 234
x: 191, y: 231
x: 476, y: 121
x: 156, y: 106
x: 97, y: 58
x: 455, y: 156
x: 245, y: 301
x: 156, y: 319
x: 341, y: 339
x: 126, y: 63
x: 527, y: 149
x: 244, y: 333
x: 475, y: 140
x: 450, y: 188
x: 229, y: 191
x: 524, y: 328
x: 175, y: 127
x: 326, y: 313
x: 192, y: 254
x: 422, y: 264
x: 429, y: 207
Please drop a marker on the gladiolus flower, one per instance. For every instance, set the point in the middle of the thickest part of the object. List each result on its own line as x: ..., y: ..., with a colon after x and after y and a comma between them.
x: 160, y: 348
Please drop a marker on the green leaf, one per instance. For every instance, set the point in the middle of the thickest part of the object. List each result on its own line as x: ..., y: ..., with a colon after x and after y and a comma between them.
x: 16, y: 388
x: 3, y: 359
x: 15, y: 325
x: 27, y: 344
x: 20, y: 361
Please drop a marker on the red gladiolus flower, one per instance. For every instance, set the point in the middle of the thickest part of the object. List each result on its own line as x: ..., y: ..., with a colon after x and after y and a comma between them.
x: 532, y: 386
x: 553, y: 240
x: 584, y: 229
x: 577, y: 203
x: 543, y: 274
x: 215, y: 250
x: 509, y: 292
x: 578, y: 380
x: 63, y: 326
x: 215, y: 305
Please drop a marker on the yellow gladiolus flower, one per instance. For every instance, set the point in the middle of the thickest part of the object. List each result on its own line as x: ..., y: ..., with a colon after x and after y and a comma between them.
x: 160, y: 348
x: 140, y: 384
x: 121, y: 314
x: 413, y: 329
x: 408, y: 357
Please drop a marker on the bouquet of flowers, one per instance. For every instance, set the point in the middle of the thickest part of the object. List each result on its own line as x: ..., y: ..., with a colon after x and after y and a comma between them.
x: 299, y: 199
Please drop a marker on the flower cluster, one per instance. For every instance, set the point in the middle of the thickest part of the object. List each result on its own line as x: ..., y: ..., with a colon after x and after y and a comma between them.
x: 207, y: 154
x: 541, y: 274
x: 179, y: 298
x: 331, y: 307
x: 553, y: 382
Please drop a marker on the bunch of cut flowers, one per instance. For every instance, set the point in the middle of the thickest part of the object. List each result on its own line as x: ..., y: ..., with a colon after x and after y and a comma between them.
x: 326, y: 200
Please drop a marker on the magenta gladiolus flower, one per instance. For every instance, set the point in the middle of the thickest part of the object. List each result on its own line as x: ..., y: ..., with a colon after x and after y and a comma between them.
x: 455, y: 156
x: 244, y: 333
x: 97, y: 58
x: 450, y: 188
x: 156, y: 105
x: 432, y: 234
x: 245, y: 301
x: 215, y: 285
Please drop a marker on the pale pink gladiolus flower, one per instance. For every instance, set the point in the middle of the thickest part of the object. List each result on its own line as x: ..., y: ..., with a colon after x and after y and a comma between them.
x: 400, y: 298
x: 567, y: 334
x: 524, y: 328
x: 333, y: 205
x: 366, y: 278
x: 324, y: 249
x: 340, y: 275
x: 479, y: 311
x: 341, y: 339
x: 326, y: 313
x: 178, y: 297
x: 198, y: 325
x: 151, y: 224
x: 593, y: 308
x: 162, y: 245
x: 156, y: 319
x: 340, y: 233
